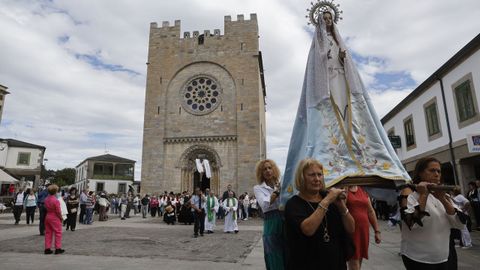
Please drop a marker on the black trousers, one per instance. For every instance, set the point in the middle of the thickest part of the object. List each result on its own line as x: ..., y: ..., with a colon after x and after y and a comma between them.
x: 17, y: 212
x: 82, y: 213
x: 153, y: 211
x: 452, y: 262
x: 414, y: 265
x: 71, y: 221
x: 199, y: 219
x: 41, y: 224
x: 30, y: 213
x: 476, y: 212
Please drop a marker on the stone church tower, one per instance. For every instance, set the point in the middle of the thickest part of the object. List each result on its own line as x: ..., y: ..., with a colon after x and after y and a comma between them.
x: 205, y: 99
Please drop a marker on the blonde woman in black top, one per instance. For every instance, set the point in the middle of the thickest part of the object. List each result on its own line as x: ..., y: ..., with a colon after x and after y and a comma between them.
x: 317, y: 222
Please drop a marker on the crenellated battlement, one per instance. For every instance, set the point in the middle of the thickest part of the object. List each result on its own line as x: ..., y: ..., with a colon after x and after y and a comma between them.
x: 241, y: 18
x: 231, y: 28
x: 206, y: 34
x: 165, y: 26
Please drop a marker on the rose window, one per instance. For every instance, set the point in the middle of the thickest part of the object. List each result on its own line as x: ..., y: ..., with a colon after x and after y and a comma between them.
x: 201, y: 95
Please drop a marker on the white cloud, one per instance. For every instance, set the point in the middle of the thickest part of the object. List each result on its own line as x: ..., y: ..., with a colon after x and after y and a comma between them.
x: 74, y: 109
x: 385, y: 100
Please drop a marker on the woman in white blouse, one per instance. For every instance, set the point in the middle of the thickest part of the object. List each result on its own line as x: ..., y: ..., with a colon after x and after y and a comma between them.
x: 428, y: 218
x: 30, y: 205
x: 267, y: 193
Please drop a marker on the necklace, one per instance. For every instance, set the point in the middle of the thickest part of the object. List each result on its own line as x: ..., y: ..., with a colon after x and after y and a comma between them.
x: 326, y: 236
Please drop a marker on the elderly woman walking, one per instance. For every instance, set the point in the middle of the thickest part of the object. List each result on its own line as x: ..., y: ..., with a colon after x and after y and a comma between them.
x: 53, y: 221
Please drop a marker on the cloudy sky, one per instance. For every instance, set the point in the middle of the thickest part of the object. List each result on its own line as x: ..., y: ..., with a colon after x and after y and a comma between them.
x: 76, y: 69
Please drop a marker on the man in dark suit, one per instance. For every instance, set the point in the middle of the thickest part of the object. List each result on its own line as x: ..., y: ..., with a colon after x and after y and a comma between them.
x: 225, y: 194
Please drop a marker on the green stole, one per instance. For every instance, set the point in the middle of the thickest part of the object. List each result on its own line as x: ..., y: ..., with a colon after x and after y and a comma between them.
x: 210, y: 206
x: 230, y: 203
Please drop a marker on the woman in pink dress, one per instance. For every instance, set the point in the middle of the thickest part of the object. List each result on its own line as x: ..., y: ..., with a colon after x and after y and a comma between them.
x: 53, y: 221
x: 360, y: 207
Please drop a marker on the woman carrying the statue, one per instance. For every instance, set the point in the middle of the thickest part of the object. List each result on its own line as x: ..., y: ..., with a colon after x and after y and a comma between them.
x: 267, y: 194
x: 317, y: 222
x: 427, y: 219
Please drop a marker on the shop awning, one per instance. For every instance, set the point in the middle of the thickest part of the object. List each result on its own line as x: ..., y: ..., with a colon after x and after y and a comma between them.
x: 7, y: 178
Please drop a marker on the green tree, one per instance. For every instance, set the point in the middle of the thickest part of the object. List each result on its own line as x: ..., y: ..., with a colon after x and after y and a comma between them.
x: 64, y: 177
x: 46, y: 174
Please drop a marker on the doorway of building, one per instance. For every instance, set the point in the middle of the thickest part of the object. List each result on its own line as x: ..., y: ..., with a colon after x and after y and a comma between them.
x: 203, y: 183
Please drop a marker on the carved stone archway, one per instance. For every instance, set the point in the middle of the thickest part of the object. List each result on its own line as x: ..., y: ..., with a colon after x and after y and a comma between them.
x: 187, y: 167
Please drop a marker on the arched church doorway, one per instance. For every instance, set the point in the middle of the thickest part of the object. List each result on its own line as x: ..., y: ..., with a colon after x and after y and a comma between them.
x: 191, y: 178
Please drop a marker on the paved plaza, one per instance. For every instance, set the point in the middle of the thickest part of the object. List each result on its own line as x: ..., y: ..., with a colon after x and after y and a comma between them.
x: 138, y: 243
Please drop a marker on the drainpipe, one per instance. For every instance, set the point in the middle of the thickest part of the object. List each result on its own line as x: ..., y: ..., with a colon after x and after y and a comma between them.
x: 450, y: 140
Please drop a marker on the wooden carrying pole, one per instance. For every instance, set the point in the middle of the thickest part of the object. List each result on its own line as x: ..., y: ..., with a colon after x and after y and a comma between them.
x: 378, y: 182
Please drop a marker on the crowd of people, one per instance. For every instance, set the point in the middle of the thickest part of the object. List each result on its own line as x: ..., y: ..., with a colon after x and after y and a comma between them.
x: 174, y: 208
x: 317, y: 227
x: 202, y: 208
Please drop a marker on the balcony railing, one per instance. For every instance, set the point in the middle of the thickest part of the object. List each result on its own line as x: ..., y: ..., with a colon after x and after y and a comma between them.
x: 113, y: 177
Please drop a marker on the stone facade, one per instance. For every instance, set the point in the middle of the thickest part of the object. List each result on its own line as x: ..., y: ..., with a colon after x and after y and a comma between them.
x: 205, y: 98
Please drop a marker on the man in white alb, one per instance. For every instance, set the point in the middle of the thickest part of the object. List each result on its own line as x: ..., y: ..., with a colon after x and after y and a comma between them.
x: 230, y: 205
x: 211, y: 209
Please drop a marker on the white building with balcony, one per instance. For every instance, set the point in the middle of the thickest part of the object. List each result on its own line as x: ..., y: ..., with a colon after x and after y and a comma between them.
x: 441, y: 118
x: 20, y: 161
x: 108, y: 173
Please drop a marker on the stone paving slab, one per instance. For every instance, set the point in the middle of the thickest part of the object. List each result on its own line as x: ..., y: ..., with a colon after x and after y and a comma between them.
x: 131, y: 234
x: 18, y: 261
x: 12, y: 226
x: 142, y: 239
x: 173, y: 243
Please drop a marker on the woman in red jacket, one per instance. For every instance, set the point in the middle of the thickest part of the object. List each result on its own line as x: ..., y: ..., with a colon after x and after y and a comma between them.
x: 53, y: 221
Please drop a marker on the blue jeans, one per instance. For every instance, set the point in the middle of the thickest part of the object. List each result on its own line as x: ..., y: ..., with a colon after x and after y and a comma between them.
x: 89, y: 216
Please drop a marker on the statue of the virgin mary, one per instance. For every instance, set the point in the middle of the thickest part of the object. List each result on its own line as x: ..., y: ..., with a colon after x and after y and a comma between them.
x: 336, y: 122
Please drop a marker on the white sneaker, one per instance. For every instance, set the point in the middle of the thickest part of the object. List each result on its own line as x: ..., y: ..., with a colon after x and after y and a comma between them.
x: 467, y: 247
